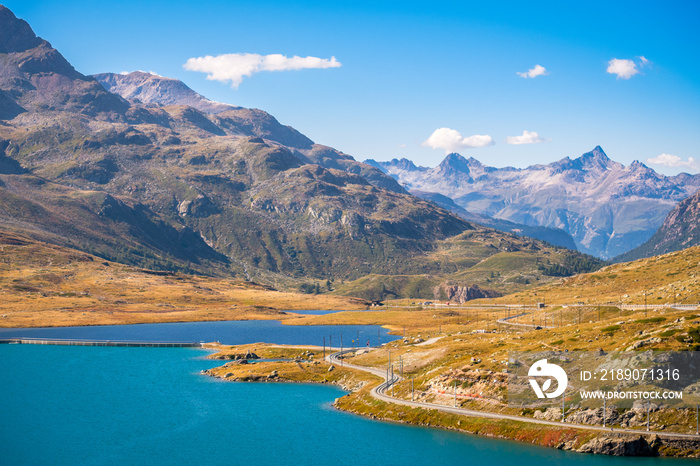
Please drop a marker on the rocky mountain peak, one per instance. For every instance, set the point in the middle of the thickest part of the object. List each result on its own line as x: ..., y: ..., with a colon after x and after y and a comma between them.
x: 637, y: 165
x: 36, y: 77
x: 641, y: 171
x: 595, y: 159
x: 149, y: 88
x: 454, y: 163
x: 15, y: 34
x: 404, y: 164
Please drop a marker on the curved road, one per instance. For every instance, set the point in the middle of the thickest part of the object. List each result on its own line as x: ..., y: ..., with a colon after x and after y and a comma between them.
x: 379, y: 392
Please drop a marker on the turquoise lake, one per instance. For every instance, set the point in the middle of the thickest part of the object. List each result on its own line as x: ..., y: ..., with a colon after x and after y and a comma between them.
x: 228, y: 332
x: 148, y: 406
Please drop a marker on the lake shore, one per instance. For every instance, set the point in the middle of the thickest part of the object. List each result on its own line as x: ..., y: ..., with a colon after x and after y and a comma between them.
x: 296, y: 364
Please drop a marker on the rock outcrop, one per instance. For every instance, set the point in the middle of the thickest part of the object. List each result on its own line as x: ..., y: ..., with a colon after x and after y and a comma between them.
x: 623, y: 445
x: 463, y: 294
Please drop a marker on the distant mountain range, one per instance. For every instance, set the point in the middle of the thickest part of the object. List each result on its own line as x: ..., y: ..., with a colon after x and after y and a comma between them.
x: 607, y: 208
x: 162, y: 178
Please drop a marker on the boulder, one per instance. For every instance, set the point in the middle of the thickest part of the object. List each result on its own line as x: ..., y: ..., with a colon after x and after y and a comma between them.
x: 641, y: 343
x: 199, y: 207
x: 618, y: 446
x: 462, y: 294
x: 551, y: 414
x: 594, y: 416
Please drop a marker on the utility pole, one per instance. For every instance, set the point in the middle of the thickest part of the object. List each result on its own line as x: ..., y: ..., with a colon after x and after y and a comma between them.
x: 390, y: 360
x: 341, y: 349
x: 648, y: 409
x: 412, y: 387
x: 324, y: 348
x: 379, y: 339
x: 697, y: 421
x: 645, y: 303
x: 455, y: 392
x: 563, y: 407
x: 620, y: 306
x: 603, y: 411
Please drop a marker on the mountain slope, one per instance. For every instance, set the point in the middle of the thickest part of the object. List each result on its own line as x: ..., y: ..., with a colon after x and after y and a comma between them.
x: 233, y: 193
x: 606, y: 207
x: 152, y: 89
x: 657, y: 280
x: 679, y: 231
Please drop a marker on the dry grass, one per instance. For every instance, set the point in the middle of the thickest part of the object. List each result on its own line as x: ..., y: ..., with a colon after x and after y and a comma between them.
x: 670, y: 278
x: 45, y: 285
x: 304, y: 366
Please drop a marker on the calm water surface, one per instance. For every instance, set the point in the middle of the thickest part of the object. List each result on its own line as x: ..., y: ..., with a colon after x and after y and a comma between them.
x: 237, y: 332
x: 144, y: 406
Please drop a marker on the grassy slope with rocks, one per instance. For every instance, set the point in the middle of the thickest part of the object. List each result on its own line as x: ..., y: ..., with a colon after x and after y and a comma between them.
x: 669, y: 278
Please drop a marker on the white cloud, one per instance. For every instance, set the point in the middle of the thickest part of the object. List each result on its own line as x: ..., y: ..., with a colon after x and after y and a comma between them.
x: 669, y: 160
x: 624, y: 69
x: 643, y: 61
x: 452, y: 141
x: 528, y: 137
x: 538, y: 70
x: 234, y: 67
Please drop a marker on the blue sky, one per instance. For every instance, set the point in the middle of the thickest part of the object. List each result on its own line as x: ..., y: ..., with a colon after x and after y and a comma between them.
x: 410, y: 68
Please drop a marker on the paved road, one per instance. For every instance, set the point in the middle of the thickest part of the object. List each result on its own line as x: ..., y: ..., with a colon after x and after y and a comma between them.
x: 380, y: 392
